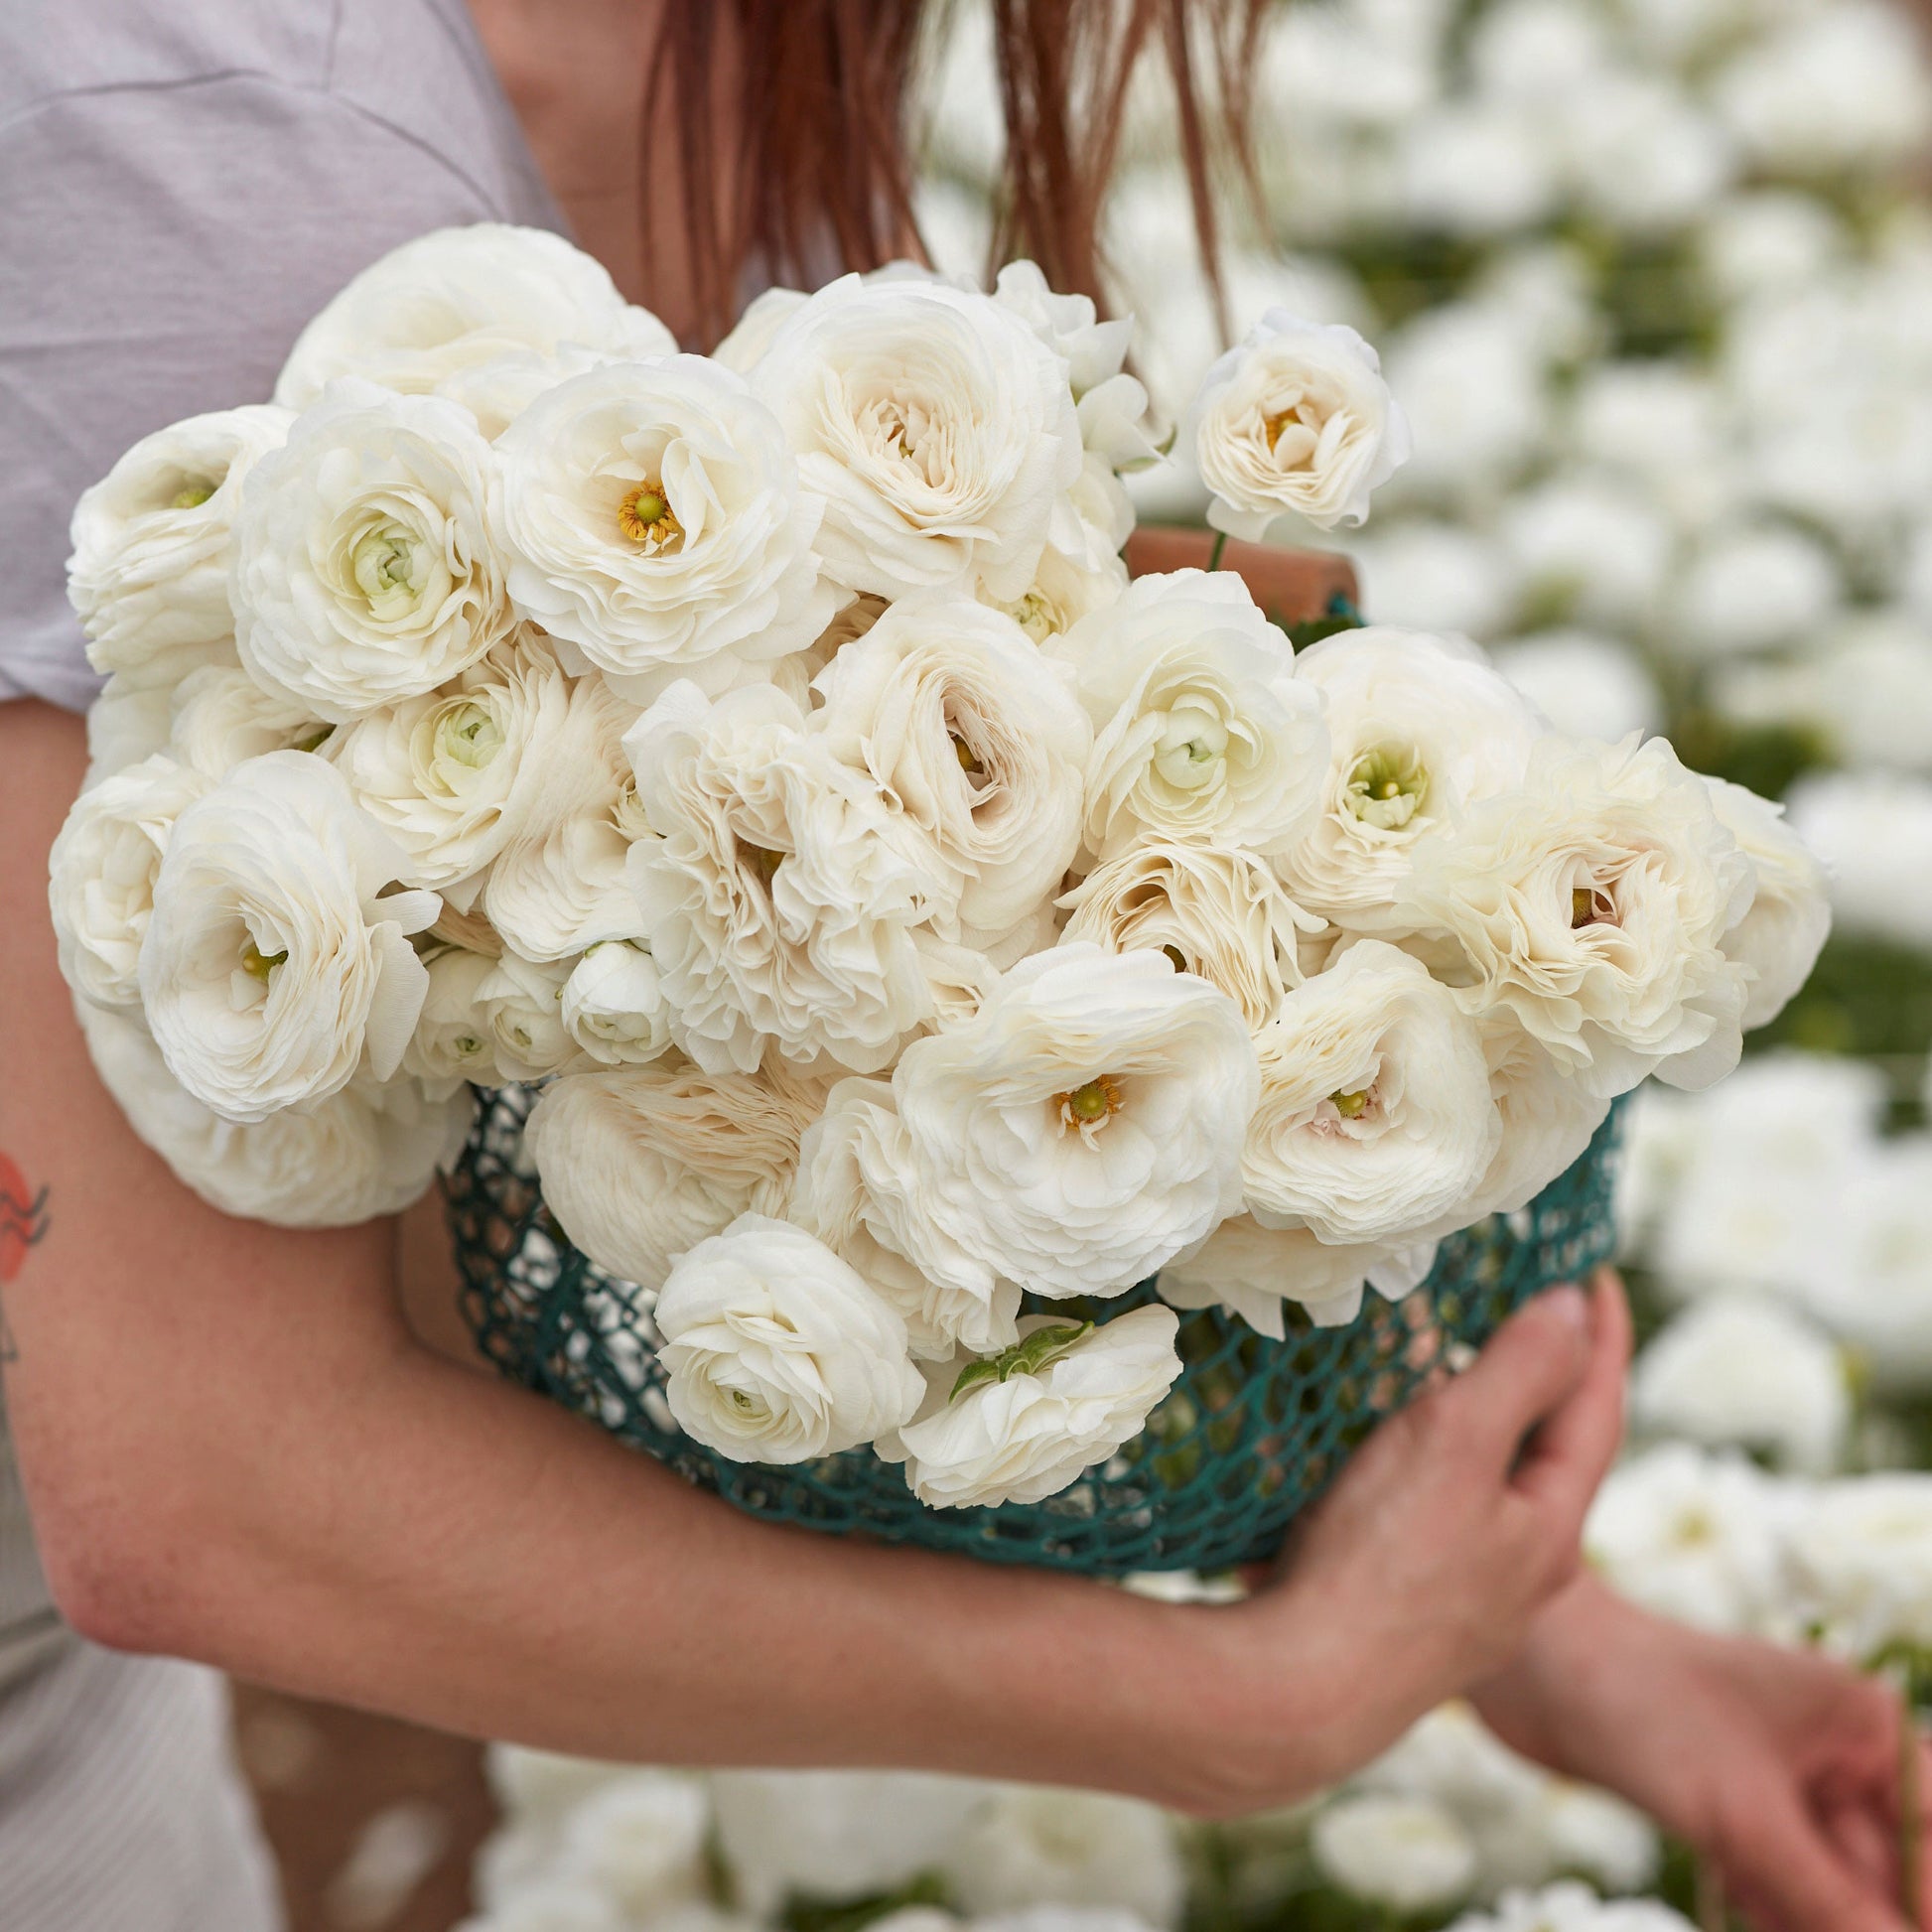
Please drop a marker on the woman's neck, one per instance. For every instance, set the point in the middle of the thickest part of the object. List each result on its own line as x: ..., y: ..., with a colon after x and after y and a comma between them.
x: 575, y: 71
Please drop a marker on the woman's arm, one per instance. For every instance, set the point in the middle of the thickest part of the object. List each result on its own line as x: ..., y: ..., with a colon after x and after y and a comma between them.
x: 235, y: 1451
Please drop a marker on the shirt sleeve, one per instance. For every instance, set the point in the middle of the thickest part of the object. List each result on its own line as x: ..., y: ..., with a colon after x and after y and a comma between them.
x: 160, y: 251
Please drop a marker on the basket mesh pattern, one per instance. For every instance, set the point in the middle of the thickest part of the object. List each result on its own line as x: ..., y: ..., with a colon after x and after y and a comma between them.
x: 1252, y: 1431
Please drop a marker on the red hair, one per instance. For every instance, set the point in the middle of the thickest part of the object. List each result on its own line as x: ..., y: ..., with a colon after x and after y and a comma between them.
x: 821, y: 95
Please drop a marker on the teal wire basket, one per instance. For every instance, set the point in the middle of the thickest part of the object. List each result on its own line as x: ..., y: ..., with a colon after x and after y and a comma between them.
x: 1250, y: 1435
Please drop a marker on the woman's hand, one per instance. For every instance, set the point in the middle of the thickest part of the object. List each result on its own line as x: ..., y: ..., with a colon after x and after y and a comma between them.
x: 1424, y: 1568
x: 1781, y: 1766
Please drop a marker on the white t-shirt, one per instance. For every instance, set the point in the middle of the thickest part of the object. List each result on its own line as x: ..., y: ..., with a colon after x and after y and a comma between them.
x: 183, y: 185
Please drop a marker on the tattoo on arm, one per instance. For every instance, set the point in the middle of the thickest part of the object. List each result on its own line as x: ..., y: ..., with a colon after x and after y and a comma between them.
x: 23, y: 1222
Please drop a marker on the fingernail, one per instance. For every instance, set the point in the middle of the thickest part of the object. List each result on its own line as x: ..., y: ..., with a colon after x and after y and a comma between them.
x: 1570, y: 1302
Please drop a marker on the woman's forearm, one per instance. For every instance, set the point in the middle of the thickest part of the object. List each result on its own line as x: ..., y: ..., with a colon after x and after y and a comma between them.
x: 235, y: 1451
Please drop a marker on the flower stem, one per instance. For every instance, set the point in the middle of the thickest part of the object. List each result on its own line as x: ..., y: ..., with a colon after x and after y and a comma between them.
x: 1214, y: 555
x: 1713, y: 1913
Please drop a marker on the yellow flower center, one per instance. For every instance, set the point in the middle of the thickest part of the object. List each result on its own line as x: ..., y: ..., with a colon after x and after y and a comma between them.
x: 1588, y: 907
x: 1351, y: 1106
x: 191, y: 495
x: 645, y: 516
x: 259, y: 964
x: 969, y: 760
x: 1097, y: 1101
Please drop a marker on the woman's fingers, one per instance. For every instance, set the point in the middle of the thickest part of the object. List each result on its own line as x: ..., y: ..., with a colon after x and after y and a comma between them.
x: 1773, y: 1850
x: 1529, y: 1370
x: 1566, y: 1459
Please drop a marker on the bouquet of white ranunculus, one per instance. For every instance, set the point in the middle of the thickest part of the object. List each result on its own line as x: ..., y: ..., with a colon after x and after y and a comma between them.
x: 902, y: 913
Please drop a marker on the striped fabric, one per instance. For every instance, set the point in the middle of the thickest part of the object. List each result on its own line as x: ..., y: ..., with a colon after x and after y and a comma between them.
x: 120, y: 1806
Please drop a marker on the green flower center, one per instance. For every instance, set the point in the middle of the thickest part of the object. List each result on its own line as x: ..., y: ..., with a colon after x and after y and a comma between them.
x: 1388, y: 787
x: 191, y: 495
x: 259, y: 964
x: 469, y: 734
x: 1351, y: 1106
x: 1091, y: 1104
x: 390, y: 564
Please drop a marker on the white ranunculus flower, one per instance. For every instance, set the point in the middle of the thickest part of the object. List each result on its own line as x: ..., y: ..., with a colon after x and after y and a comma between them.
x: 641, y: 1839
x: 558, y: 887
x: 1201, y: 727
x: 1746, y: 1371
x: 367, y: 1150
x: 274, y: 967
x: 453, y: 776
x: 1249, y: 1270
x: 1547, y: 1121
x: 652, y: 517
x: 1592, y: 906
x: 1430, y: 574
x: 1872, y: 830
x: 779, y: 895
x: 1034, y: 1845
x: 835, y: 1834
x: 1215, y: 911
x: 1594, y: 546
x: 454, y: 300
x: 1419, y: 728
x: 453, y: 1041
x: 1751, y: 587
x: 218, y: 716
x: 102, y: 873
x: 126, y: 723
x: 775, y: 1351
x: 1778, y: 942
x: 936, y: 426
x: 1692, y: 1536
x: 1067, y: 588
x: 642, y: 1163
x: 365, y: 567
x: 1406, y: 1854
x: 846, y: 1194
x: 149, y: 573
x: 1861, y: 1553
x: 1086, y: 1127
x: 978, y: 740
x: 1375, y: 1117
x: 519, y: 1006
x: 750, y: 334
x: 1296, y: 418
x: 613, y: 1004
x: 1067, y: 1396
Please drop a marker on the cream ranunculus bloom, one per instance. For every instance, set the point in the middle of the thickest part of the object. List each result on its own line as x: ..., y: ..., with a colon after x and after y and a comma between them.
x: 519, y: 1006
x: 1295, y: 418
x: 126, y: 723
x: 1592, y: 907
x: 102, y: 873
x: 1215, y: 911
x: 1776, y: 942
x: 952, y: 713
x: 368, y: 1150
x: 1068, y: 1395
x: 365, y: 566
x: 218, y: 716
x: 775, y: 1351
x: 452, y: 776
x: 1086, y: 1127
x: 453, y: 1041
x: 1201, y: 728
x: 1375, y: 1117
x: 558, y: 885
x: 1419, y: 728
x: 653, y: 517
x: 779, y: 895
x: 613, y: 1004
x: 149, y: 573
x: 1250, y: 1270
x: 274, y: 966
x: 934, y: 426
x: 845, y: 1193
x: 750, y: 336
x: 642, y: 1163
x: 446, y: 304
